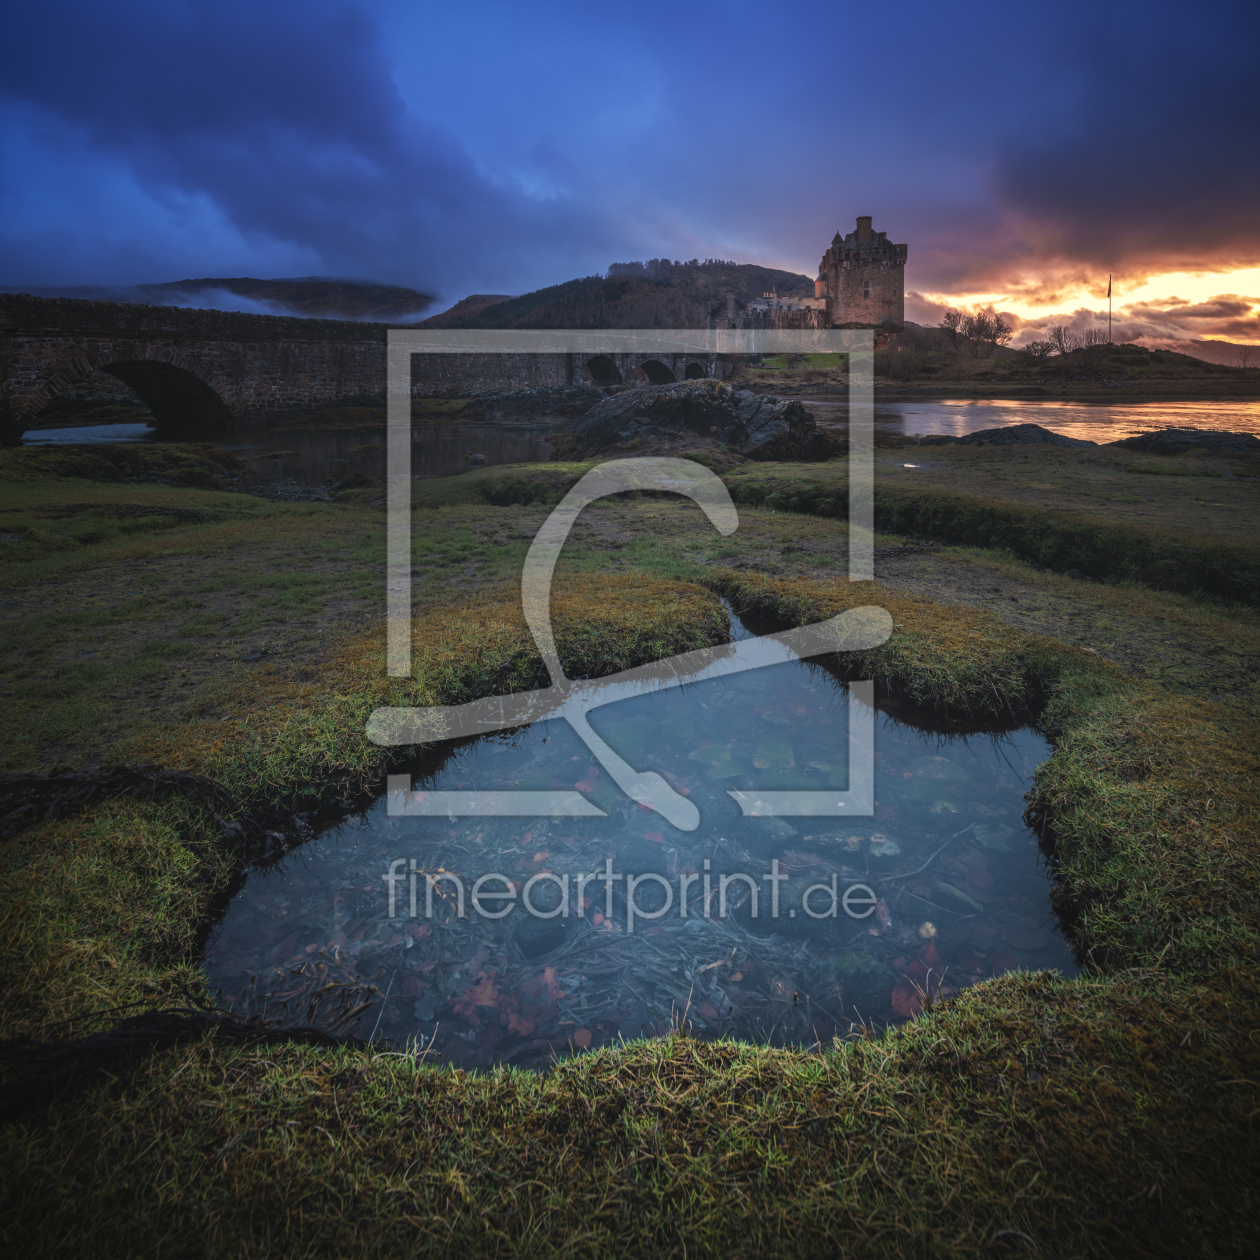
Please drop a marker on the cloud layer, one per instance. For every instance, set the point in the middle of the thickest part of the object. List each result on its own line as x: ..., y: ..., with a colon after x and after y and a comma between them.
x: 487, y: 147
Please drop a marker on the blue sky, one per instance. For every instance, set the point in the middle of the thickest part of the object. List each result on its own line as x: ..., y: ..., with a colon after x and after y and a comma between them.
x: 1023, y: 152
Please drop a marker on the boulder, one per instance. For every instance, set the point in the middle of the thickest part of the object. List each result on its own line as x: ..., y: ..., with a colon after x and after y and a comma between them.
x: 1176, y: 441
x: 1010, y: 435
x: 661, y: 417
x: 532, y: 403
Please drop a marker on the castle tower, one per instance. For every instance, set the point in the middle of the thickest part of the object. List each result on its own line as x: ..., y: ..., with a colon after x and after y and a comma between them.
x: 865, y: 278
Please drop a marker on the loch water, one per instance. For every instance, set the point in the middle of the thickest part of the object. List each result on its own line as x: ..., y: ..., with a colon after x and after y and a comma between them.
x: 326, y: 456
x: 945, y: 886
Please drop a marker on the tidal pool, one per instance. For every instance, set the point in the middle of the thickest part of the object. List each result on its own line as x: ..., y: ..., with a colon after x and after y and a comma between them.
x: 584, y: 930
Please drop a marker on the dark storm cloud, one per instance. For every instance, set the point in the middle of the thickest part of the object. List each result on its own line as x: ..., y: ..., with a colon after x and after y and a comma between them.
x: 286, y: 116
x: 488, y: 147
x: 1145, y: 158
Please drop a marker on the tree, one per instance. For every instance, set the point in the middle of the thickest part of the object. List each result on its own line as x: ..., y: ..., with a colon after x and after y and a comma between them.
x: 1063, y: 339
x: 951, y: 323
x: 1038, y: 349
x: 1246, y: 354
x: 985, y: 331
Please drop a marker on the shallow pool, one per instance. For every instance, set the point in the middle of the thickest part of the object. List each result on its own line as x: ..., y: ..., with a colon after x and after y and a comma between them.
x: 584, y: 930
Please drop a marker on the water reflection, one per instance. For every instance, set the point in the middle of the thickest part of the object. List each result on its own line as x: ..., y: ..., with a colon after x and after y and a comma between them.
x: 325, y: 456
x: 1099, y: 422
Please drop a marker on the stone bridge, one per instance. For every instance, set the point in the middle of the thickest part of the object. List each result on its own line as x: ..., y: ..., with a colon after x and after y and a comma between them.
x: 202, y: 372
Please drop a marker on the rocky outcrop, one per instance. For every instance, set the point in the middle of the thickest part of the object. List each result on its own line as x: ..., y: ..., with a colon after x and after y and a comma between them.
x: 664, y: 417
x: 541, y: 402
x: 1174, y: 441
x: 1009, y: 435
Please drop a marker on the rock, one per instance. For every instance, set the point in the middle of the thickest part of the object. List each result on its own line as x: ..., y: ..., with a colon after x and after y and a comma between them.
x: 992, y: 836
x: 1009, y: 435
x: 351, y: 481
x: 756, y: 426
x: 474, y: 461
x: 532, y: 403
x: 1176, y: 441
x: 883, y: 847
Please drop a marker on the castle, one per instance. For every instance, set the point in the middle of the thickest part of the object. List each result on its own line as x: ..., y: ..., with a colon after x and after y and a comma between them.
x: 861, y: 281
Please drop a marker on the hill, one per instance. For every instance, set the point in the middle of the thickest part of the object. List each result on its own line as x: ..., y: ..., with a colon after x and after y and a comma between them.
x: 655, y: 294
x: 312, y: 296
x: 464, y: 309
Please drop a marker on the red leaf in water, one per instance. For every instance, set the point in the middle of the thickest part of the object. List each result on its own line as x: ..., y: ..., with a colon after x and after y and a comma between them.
x: 709, y: 1011
x: 1005, y: 962
x: 555, y: 990
x: 929, y: 955
x: 917, y: 972
x: 582, y: 1038
x: 414, y: 987
x: 284, y: 949
x: 592, y: 772
x: 654, y: 835
x: 482, y: 994
x: 584, y: 785
x: 521, y: 1024
x: 905, y: 1001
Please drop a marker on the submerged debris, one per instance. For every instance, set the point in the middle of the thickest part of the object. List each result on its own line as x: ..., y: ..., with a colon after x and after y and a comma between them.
x: 372, y: 929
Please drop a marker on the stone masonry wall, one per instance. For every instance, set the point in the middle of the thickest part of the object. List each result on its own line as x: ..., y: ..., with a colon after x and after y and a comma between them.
x: 199, y: 371
x: 865, y: 275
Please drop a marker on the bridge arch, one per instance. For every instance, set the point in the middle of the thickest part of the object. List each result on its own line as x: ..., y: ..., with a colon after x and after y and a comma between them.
x: 657, y: 373
x: 603, y: 370
x: 181, y: 399
x: 695, y: 372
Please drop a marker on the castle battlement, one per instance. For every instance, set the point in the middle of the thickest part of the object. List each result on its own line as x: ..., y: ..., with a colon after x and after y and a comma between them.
x: 862, y: 277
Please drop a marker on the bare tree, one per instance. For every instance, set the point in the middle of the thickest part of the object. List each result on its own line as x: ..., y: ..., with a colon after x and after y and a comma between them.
x: 1094, y: 337
x: 1246, y: 354
x: 985, y: 331
x: 1038, y: 349
x: 1063, y: 339
x: 951, y: 325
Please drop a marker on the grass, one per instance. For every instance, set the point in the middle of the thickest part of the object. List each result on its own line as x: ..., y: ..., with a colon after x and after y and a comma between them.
x: 1113, y: 1114
x: 1099, y: 541
x: 987, y: 1126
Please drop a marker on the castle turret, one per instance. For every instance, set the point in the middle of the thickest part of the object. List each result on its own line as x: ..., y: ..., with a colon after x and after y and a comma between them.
x: 863, y: 275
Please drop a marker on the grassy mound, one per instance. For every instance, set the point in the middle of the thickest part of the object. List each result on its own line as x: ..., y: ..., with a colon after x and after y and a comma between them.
x: 1097, y: 545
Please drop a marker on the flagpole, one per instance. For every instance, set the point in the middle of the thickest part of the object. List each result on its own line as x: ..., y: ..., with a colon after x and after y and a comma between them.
x: 1109, y: 310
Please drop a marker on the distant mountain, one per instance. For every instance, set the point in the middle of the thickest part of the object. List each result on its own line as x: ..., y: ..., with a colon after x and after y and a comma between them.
x: 315, y: 297
x: 656, y: 294
x: 1228, y: 353
x: 312, y: 296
